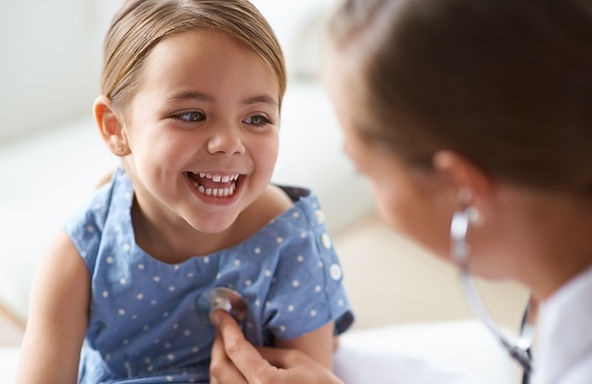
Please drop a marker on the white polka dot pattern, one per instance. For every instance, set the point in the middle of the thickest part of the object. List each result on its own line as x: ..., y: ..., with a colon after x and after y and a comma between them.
x: 335, y: 272
x: 145, y: 314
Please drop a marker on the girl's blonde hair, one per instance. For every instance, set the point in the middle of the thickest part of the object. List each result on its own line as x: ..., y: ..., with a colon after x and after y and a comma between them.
x: 141, y: 24
x: 506, y: 83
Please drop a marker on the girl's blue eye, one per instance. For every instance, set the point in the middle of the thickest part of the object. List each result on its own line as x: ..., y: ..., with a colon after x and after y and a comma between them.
x: 257, y: 120
x: 191, y: 116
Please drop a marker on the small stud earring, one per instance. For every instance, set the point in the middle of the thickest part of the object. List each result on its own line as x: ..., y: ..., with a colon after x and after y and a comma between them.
x: 474, y: 215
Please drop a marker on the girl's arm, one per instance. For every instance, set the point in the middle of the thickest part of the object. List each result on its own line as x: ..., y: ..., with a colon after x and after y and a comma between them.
x: 58, y: 317
x: 318, y: 344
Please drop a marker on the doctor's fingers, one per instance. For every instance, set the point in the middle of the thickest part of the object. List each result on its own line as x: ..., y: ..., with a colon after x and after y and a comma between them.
x: 222, y: 370
x: 285, y: 358
x: 294, y: 366
x: 239, y: 352
x: 287, y: 366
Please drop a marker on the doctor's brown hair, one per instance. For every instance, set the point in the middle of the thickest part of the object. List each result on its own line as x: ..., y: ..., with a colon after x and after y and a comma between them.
x: 506, y: 83
x: 141, y: 24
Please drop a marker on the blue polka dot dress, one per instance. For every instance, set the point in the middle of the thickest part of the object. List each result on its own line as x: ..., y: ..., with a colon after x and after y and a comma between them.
x: 146, y: 323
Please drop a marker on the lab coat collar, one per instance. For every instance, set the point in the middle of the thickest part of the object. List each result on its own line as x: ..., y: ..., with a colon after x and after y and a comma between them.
x: 564, y: 335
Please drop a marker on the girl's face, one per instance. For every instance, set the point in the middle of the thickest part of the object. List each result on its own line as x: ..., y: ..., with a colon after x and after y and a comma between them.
x: 202, y: 130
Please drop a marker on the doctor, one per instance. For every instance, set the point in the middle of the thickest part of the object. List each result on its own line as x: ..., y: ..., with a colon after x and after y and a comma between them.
x: 474, y: 109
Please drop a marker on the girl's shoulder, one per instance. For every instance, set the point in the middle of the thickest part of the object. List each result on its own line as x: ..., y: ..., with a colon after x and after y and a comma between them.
x: 108, y: 206
x: 117, y: 192
x: 278, y: 206
x: 281, y: 212
x: 276, y: 201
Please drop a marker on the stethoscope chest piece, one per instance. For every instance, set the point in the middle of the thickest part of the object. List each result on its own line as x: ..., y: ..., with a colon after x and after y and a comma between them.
x: 225, y: 299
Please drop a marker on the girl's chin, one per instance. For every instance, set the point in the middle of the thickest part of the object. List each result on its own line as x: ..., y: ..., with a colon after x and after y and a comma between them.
x: 213, y: 225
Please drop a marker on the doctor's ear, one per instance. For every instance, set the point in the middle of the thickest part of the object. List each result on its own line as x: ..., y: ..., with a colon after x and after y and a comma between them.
x: 110, y: 126
x: 466, y: 179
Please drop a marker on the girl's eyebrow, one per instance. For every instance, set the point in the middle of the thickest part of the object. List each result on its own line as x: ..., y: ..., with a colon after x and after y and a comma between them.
x: 261, y: 99
x: 185, y: 95
x: 194, y: 95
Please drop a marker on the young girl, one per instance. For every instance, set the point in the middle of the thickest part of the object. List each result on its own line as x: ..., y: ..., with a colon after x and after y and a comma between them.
x: 191, y: 103
x: 472, y: 120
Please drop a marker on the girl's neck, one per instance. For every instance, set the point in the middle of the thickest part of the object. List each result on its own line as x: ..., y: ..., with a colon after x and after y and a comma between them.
x: 174, y: 241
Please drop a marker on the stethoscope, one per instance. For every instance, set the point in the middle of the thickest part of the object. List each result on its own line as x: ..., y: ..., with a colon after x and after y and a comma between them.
x: 518, y: 348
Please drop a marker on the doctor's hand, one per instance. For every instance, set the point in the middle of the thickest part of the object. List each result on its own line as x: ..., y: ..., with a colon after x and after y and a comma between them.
x: 235, y: 360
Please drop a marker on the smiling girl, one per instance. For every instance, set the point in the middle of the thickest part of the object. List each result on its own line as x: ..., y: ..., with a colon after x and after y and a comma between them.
x: 191, y: 102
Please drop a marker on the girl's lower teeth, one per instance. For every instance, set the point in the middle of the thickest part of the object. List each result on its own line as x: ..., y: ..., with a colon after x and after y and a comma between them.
x: 216, y: 192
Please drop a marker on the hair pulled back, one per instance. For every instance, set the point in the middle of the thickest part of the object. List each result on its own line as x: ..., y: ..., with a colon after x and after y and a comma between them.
x: 141, y: 24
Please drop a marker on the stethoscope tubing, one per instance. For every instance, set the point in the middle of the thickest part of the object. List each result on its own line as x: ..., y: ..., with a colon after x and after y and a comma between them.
x: 518, y: 349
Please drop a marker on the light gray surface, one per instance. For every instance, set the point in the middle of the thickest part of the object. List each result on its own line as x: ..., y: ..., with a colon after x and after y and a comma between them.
x: 444, y: 352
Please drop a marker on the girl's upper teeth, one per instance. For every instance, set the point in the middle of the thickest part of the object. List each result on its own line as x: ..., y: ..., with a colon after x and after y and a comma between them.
x: 219, y: 178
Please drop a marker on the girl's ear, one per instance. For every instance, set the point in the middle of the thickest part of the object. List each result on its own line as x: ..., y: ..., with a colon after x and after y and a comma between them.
x: 111, y: 127
x: 464, y: 176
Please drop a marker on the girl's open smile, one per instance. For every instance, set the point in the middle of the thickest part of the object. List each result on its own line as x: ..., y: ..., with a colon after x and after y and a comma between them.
x: 215, y: 187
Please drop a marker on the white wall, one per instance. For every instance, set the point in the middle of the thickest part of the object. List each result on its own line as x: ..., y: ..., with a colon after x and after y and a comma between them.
x: 48, y: 71
x: 298, y: 25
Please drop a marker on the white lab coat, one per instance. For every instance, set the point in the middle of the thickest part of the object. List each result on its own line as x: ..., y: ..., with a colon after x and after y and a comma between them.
x: 563, y: 353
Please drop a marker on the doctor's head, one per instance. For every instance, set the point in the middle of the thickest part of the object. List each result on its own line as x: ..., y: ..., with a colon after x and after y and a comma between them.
x: 490, y: 99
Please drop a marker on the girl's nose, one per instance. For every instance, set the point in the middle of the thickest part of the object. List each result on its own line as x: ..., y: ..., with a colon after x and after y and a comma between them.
x: 225, y: 140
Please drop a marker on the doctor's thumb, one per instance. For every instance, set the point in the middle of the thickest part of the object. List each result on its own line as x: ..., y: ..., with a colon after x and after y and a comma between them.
x: 218, y: 316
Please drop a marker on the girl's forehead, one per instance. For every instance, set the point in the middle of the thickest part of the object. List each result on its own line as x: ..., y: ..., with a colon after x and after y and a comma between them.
x: 203, y: 41
x: 203, y: 50
x: 211, y: 63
